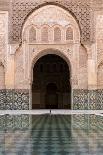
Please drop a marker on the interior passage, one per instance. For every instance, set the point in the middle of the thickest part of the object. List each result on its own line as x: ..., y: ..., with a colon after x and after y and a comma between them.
x: 51, y: 87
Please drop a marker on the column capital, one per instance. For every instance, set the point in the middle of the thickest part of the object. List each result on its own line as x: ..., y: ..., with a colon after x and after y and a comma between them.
x: 13, y: 48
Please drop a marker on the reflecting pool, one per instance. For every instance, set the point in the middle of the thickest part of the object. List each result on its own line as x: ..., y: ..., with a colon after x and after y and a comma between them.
x: 51, y: 135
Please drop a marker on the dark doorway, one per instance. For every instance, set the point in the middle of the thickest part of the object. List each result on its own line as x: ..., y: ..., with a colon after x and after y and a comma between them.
x: 51, y: 98
x: 51, y: 88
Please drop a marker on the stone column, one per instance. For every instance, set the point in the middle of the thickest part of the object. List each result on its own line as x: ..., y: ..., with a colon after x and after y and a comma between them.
x: 92, y: 71
x: 10, y: 74
x: 75, y: 65
x: 92, y: 76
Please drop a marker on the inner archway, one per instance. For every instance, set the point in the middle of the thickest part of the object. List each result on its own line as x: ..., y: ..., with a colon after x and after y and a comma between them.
x: 51, y: 88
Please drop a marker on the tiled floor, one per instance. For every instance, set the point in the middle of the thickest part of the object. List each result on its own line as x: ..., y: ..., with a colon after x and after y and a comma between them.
x: 51, y: 135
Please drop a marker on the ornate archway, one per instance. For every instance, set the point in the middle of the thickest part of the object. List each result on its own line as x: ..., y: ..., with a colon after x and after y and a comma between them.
x: 62, y: 38
x: 51, y: 86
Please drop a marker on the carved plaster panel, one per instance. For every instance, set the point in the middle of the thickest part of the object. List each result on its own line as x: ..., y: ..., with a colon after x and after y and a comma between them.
x: 20, y: 10
x: 3, y: 34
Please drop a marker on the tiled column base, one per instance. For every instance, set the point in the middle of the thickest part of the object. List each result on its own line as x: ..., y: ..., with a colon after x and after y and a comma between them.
x: 87, y: 99
x: 14, y: 99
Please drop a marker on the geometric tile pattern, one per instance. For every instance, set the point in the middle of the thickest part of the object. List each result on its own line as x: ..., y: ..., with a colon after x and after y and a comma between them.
x: 55, y: 135
x: 2, y: 99
x: 99, y: 101
x: 92, y: 94
x: 11, y: 99
x: 21, y: 99
x: 88, y: 99
x: 82, y: 99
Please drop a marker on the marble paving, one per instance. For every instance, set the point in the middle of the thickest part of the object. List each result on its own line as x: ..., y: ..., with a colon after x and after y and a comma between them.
x: 53, y: 112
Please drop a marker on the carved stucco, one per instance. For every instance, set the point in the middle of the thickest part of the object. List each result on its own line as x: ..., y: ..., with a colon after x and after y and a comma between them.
x: 99, y: 37
x: 83, y: 70
x: 86, y: 63
x: 21, y: 9
x: 50, y: 17
x: 99, y: 43
x: 69, y: 50
x: 82, y: 14
x: 19, y: 71
x: 3, y: 35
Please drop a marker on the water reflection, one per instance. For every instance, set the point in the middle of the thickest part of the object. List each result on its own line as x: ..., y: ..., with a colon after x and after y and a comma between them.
x: 51, y: 135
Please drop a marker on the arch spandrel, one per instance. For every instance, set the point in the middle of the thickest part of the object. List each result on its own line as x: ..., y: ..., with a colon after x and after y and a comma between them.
x: 52, y: 15
x: 80, y: 9
x: 67, y: 50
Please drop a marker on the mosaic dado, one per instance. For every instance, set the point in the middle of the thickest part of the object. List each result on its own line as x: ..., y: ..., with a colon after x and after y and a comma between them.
x: 20, y: 10
x: 14, y: 99
x: 2, y: 99
x: 88, y: 99
x: 82, y: 99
